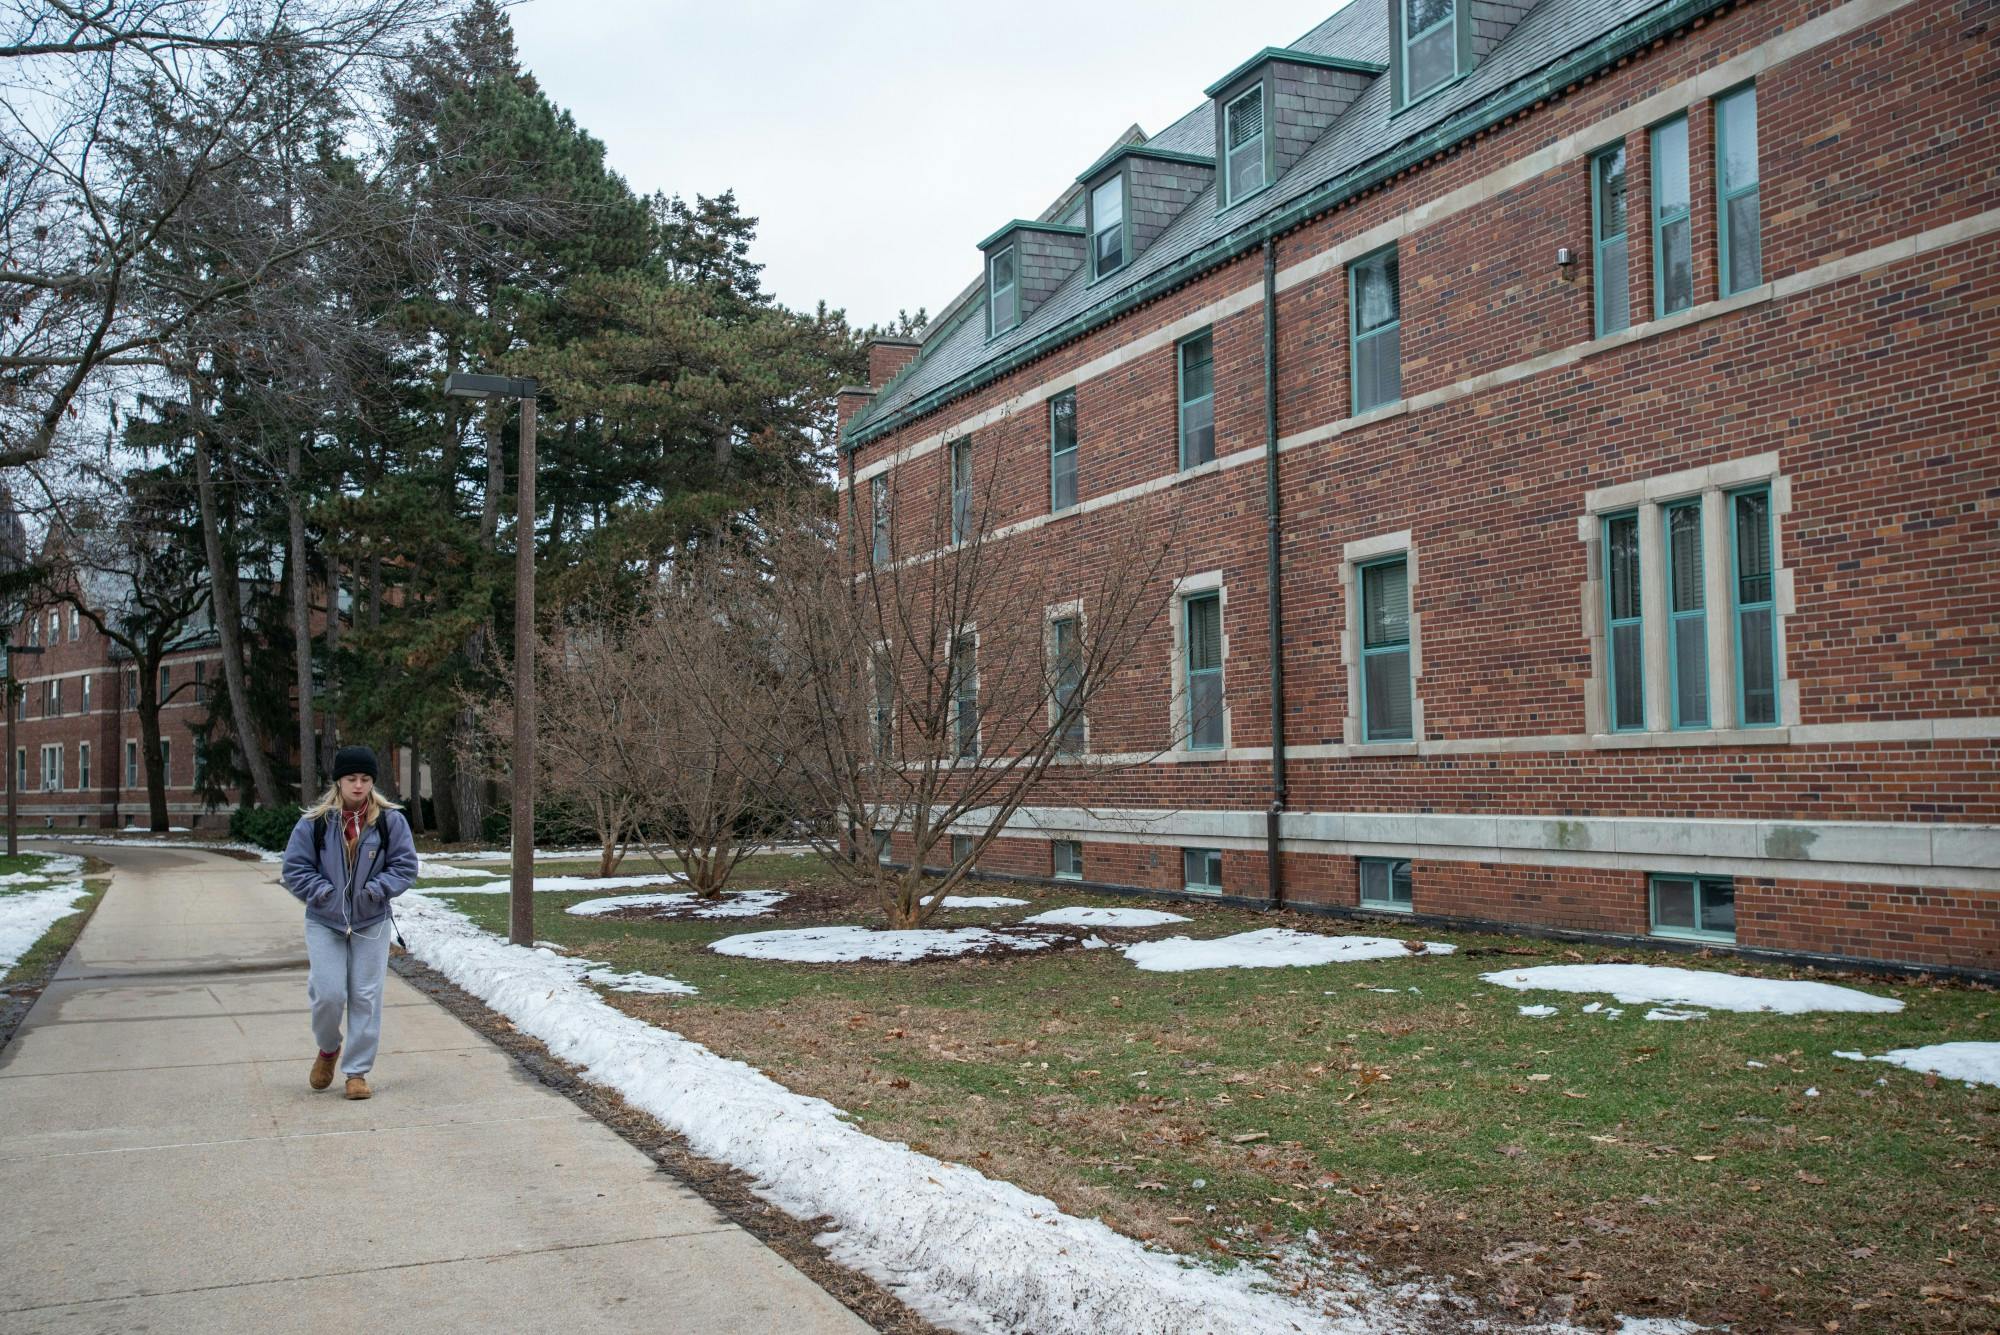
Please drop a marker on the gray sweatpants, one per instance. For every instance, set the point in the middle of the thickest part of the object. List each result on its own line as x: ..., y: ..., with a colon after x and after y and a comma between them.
x: 345, y: 974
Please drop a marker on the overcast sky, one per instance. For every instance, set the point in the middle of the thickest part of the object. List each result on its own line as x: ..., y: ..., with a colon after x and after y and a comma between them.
x: 879, y: 140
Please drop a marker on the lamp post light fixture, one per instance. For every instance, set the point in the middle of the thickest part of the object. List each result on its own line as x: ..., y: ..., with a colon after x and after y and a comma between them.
x: 13, y: 765
x: 521, y: 828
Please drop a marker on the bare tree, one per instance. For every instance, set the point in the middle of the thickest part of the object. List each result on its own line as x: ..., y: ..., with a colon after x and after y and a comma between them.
x: 933, y: 692
x: 80, y: 226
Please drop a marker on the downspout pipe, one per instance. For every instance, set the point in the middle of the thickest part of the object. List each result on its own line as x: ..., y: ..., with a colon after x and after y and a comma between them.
x: 1275, y: 611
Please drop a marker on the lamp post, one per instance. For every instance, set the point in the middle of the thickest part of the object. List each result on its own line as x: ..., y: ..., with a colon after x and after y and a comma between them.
x: 521, y: 892
x: 13, y: 813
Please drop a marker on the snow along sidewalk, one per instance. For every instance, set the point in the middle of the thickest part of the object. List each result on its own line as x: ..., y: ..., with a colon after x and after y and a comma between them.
x: 965, y: 1250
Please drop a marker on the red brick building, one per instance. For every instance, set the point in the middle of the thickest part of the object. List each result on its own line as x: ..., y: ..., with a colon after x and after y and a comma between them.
x: 1630, y: 373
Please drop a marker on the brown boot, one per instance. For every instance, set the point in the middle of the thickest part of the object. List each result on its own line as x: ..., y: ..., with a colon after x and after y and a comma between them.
x: 357, y: 1087
x: 322, y: 1074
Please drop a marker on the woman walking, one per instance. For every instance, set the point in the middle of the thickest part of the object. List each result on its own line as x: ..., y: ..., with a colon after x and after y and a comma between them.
x: 349, y: 855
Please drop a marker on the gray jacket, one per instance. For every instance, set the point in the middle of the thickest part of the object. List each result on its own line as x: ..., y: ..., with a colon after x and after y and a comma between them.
x: 343, y: 897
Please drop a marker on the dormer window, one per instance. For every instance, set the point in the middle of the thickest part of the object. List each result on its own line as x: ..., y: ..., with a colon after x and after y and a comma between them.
x: 1002, y: 301
x: 1243, y: 133
x: 1107, y: 226
x: 1430, y: 46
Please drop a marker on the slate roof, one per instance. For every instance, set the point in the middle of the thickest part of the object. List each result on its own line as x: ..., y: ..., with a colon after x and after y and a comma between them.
x: 956, y: 350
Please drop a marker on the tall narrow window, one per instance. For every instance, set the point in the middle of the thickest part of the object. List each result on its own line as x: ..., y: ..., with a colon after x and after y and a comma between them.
x: 965, y: 695
x: 882, y: 708
x: 131, y: 688
x: 131, y: 764
x: 166, y: 687
x: 1737, y: 222
x: 86, y: 694
x: 961, y: 490
x: 201, y: 681
x: 1376, y: 305
x: 1626, y: 647
x: 1386, y: 715
x: 1203, y: 614
x: 166, y: 763
x: 1066, y: 682
x: 1430, y: 45
x: 51, y: 764
x: 200, y: 763
x: 1003, y: 307
x: 1062, y: 451
x: 1687, y: 657
x: 21, y: 769
x: 55, y: 699
x: 1608, y: 262
x: 1673, y: 255
x: 1107, y: 221
x: 878, y: 503
x: 83, y: 766
x: 75, y: 625
x: 1243, y: 132
x: 1201, y: 868
x: 1756, y: 638
x: 1197, y: 378
x: 34, y: 629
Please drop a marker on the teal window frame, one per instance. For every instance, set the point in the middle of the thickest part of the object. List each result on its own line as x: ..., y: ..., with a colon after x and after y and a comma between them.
x: 1704, y: 886
x: 1226, y: 155
x: 1599, y: 241
x: 1074, y: 849
x: 1209, y: 861
x: 964, y: 670
x: 1207, y: 400
x: 1612, y: 623
x: 1065, y: 652
x: 1059, y: 457
x: 1407, y: 39
x: 1188, y: 604
x: 1097, y: 268
x: 878, y: 519
x: 1725, y: 194
x: 1356, y: 337
x: 1012, y: 287
x: 1663, y: 218
x: 1693, y: 621
x: 961, y: 489
x: 1388, y: 868
x: 1740, y: 606
x: 1386, y: 648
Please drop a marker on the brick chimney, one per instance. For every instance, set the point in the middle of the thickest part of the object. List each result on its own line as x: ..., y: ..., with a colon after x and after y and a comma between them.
x: 886, y: 356
x: 849, y: 400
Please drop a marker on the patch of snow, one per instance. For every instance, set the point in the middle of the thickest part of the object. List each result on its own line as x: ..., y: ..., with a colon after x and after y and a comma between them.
x: 1759, y: 1066
x: 1663, y: 1014
x: 147, y: 829
x: 848, y: 945
x: 978, y: 901
x: 1270, y: 948
x: 560, y: 884
x: 1096, y: 943
x: 1694, y: 987
x: 1974, y: 1063
x: 1100, y: 917
x: 1593, y: 1008
x: 1851, y: 1056
x: 733, y: 904
x: 505, y: 854
x: 438, y: 871
x: 1538, y: 1012
x: 25, y: 916
x: 198, y: 845
x: 1656, y: 1325
x: 964, y: 1250
x: 1812, y: 1093
x: 50, y: 867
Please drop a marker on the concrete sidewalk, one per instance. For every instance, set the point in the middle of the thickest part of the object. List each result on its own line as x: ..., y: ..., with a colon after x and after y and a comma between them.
x: 165, y: 1167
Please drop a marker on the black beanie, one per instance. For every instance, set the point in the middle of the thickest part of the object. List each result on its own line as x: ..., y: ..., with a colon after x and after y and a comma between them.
x: 354, y: 760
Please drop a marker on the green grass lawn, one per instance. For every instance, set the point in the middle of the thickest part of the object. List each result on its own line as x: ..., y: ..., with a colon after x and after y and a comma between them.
x: 1573, y: 1163
x: 41, y: 959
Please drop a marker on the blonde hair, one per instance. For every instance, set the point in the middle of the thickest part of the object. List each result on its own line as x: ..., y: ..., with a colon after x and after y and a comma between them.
x: 331, y: 801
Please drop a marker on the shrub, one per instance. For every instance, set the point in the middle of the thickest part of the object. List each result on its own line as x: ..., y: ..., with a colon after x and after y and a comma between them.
x: 266, y: 827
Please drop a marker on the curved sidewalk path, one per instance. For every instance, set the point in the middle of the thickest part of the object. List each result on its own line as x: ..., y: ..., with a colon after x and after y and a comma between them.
x: 165, y: 1167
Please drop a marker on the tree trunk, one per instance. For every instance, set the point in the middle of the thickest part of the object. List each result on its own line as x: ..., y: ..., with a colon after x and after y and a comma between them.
x: 444, y: 795
x: 228, y: 622
x: 330, y: 725
x: 415, y: 799
x: 301, y: 626
x: 149, y: 744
